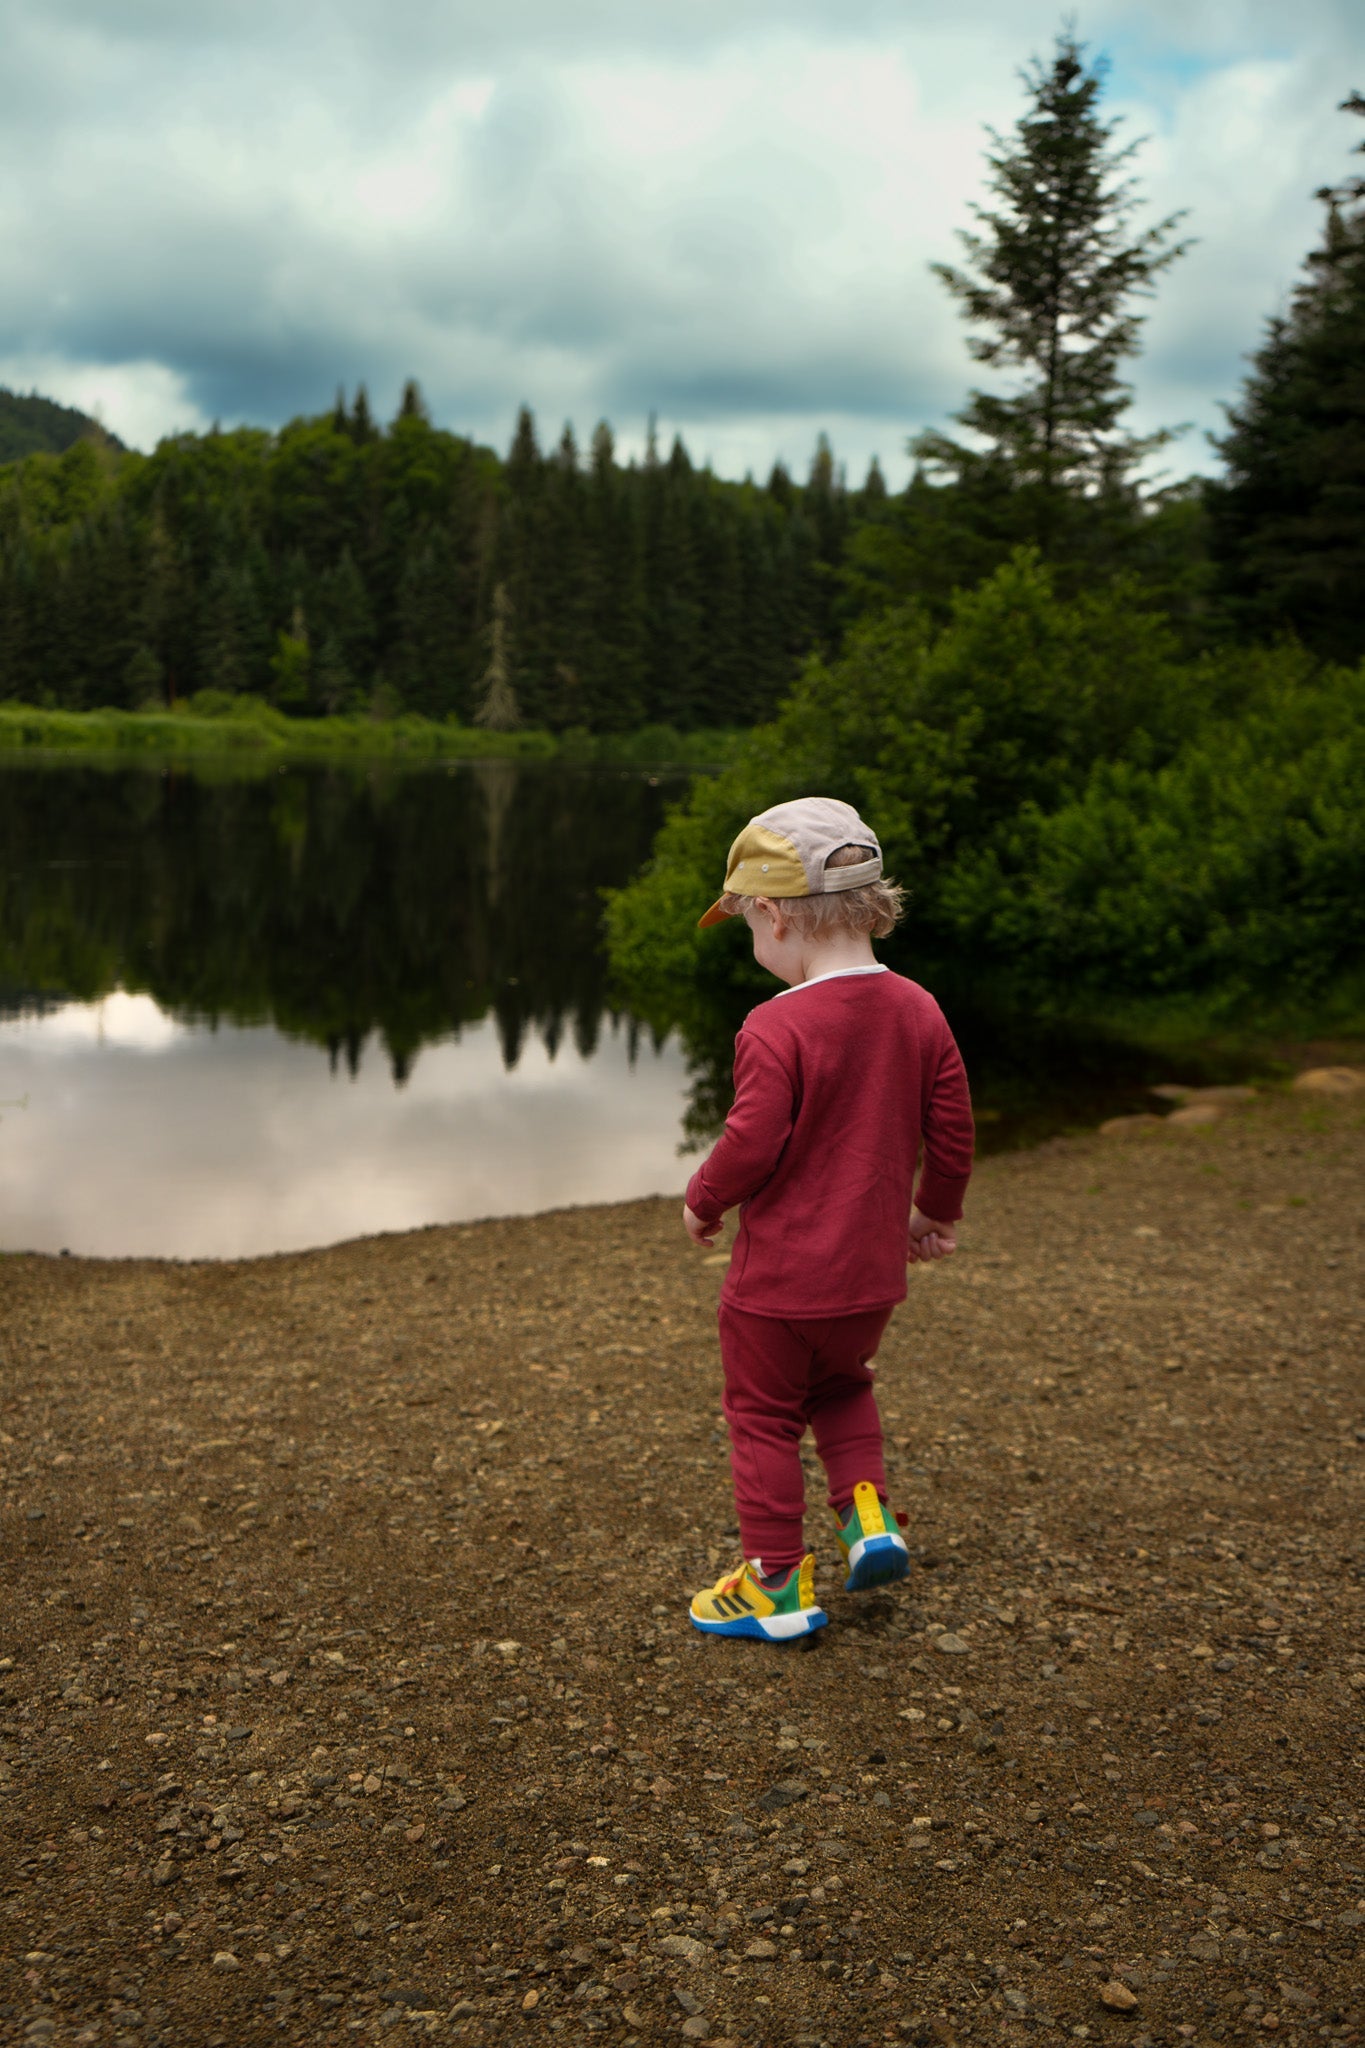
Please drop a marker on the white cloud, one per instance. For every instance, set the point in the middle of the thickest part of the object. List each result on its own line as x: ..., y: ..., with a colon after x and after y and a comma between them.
x: 140, y: 402
x: 723, y: 213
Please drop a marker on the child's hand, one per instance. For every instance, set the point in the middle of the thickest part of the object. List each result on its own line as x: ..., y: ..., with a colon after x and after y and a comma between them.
x: 930, y: 1240
x: 700, y: 1233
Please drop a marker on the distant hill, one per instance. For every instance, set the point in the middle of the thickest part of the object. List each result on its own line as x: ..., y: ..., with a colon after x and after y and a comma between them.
x: 39, y: 426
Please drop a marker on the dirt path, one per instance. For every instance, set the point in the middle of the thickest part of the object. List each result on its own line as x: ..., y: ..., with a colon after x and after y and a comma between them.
x: 347, y: 1690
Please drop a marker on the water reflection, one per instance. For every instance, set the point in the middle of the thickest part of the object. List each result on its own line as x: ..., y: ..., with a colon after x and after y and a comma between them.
x: 334, y: 903
x: 124, y: 1132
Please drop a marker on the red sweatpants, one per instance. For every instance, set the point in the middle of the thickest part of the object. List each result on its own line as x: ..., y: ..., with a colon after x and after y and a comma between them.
x: 781, y: 1377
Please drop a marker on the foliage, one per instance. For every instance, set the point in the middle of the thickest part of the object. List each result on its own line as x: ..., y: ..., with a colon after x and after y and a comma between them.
x: 1288, y: 521
x: 30, y: 425
x: 333, y: 566
x: 1049, y: 294
x: 1071, y: 806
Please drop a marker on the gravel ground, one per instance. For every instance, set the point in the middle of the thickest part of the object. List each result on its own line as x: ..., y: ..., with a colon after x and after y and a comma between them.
x: 347, y: 1691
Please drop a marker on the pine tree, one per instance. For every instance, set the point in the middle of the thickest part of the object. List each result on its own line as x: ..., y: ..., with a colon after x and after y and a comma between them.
x: 412, y: 405
x: 1288, y: 522
x: 1055, y: 269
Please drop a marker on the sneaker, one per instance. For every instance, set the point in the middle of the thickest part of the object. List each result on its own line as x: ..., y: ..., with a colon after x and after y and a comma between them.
x: 874, y: 1549
x: 741, y: 1604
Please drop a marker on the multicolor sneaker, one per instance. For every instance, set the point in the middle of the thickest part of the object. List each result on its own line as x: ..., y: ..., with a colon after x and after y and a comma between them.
x: 874, y: 1549
x: 741, y: 1604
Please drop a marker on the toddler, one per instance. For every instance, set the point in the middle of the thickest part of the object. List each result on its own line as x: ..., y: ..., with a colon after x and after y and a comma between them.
x: 839, y: 1079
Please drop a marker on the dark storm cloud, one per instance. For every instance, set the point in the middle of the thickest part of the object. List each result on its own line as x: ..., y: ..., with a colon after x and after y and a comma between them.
x: 720, y: 212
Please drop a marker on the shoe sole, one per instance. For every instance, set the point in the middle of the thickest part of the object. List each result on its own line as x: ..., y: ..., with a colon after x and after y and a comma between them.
x: 778, y: 1628
x: 881, y: 1560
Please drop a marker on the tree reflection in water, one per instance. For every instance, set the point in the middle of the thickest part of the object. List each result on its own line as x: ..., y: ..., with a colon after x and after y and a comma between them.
x: 337, y: 903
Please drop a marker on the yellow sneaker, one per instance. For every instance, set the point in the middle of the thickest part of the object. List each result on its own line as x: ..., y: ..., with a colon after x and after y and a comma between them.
x: 874, y: 1549
x: 740, y: 1604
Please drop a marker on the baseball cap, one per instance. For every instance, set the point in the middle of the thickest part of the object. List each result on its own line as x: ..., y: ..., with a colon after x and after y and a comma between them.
x: 782, y: 852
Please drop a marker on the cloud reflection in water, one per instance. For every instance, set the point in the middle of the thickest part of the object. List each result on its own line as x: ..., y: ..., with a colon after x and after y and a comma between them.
x: 141, y: 1136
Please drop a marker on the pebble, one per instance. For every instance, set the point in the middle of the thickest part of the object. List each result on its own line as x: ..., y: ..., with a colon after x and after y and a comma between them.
x: 951, y: 1645
x: 761, y: 1951
x: 1117, y: 1997
x: 696, y: 2029
x: 685, y: 1946
x: 1330, y: 1080
x: 224, y: 1959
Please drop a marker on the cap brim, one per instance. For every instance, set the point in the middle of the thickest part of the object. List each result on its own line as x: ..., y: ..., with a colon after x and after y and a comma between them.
x: 715, y: 915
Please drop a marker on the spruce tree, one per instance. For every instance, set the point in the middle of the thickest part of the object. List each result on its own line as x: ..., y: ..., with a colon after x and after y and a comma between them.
x: 1054, y: 270
x: 1288, y: 522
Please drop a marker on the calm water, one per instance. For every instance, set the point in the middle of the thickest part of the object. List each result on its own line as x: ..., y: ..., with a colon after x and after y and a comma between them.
x: 260, y: 1014
x: 283, y: 1008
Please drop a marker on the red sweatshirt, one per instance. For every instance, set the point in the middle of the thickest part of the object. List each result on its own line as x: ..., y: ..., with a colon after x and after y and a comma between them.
x: 837, y: 1082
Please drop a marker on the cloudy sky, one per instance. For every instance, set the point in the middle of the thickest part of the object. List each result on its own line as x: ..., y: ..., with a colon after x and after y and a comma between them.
x: 718, y: 210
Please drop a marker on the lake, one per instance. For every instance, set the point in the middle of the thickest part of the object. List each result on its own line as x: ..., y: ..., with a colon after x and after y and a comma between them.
x: 253, y: 1011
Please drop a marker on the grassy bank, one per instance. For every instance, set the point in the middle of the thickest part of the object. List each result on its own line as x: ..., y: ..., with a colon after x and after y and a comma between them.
x: 247, y: 726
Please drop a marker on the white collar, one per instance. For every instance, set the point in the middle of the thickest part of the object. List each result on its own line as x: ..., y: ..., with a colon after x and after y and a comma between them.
x: 835, y: 974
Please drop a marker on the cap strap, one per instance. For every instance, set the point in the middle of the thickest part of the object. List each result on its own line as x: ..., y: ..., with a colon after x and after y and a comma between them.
x: 853, y: 877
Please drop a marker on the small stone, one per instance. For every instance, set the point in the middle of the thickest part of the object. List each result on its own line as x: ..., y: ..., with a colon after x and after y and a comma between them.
x: 951, y: 1645
x: 761, y: 1951
x: 697, y: 2028
x: 465, y: 2010
x: 786, y: 1793
x: 1205, y: 1948
x: 685, y: 1946
x: 1195, y: 1113
x: 1330, y: 1080
x: 1131, y: 1126
x: 224, y: 1959
x: 1117, y: 1997
x: 531, y: 2000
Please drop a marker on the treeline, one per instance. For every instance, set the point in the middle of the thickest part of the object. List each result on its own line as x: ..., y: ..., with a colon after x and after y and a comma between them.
x: 337, y: 566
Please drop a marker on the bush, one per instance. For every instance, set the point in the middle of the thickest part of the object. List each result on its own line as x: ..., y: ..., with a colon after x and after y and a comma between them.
x: 1075, y: 813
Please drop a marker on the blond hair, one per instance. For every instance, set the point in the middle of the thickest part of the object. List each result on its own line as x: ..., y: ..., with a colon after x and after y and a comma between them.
x: 874, y: 909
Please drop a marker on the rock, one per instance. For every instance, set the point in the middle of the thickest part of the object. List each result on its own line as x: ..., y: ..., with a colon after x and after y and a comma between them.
x: 1116, y: 1997
x: 696, y: 2029
x: 465, y: 2010
x: 1206, y: 1948
x: 531, y: 2000
x: 1195, y: 1113
x: 786, y: 1793
x: 685, y: 1946
x: 1330, y: 1080
x: 1171, y: 1091
x: 761, y: 1951
x: 1131, y: 1126
x: 951, y: 1645
x: 224, y: 1959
